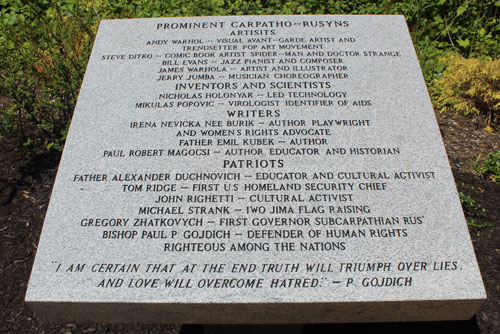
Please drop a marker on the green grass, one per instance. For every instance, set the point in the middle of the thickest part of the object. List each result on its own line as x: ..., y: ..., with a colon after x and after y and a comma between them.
x: 489, y: 166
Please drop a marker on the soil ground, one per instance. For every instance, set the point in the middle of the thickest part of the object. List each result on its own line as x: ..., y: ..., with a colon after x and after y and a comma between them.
x: 26, y: 183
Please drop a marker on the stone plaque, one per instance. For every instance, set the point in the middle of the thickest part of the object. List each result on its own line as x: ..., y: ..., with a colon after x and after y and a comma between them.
x: 254, y: 169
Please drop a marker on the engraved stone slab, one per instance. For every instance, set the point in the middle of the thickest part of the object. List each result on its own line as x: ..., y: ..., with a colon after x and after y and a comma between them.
x: 254, y: 169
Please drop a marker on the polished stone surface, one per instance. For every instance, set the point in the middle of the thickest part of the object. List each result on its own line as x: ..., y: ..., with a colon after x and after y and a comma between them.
x: 258, y: 169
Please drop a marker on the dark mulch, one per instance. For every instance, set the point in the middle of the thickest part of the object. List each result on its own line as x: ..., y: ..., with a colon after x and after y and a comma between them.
x: 26, y: 183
